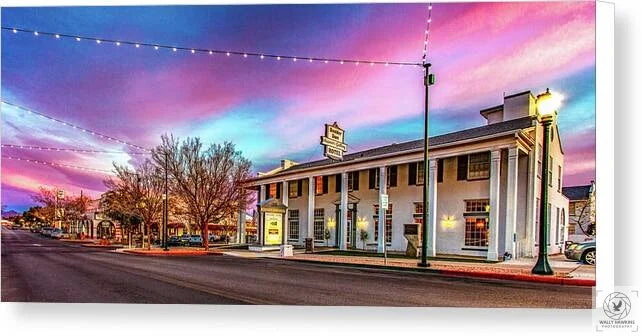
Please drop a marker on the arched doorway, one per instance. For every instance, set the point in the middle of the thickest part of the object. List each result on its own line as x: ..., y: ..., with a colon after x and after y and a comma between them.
x: 105, y: 230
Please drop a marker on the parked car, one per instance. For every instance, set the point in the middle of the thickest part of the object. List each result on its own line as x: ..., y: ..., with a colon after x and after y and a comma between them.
x: 584, y: 252
x: 173, y: 241
x: 56, y: 233
x: 185, y: 239
x: 195, y: 240
x: 35, y: 229
x: 15, y: 227
x: 212, y: 238
x: 46, y: 231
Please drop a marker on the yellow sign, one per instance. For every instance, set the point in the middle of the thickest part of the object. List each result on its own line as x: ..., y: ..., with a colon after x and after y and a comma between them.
x: 272, y: 228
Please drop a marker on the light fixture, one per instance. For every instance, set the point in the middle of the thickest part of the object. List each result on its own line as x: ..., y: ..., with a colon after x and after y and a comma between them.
x: 57, y: 36
x: 117, y: 43
x: 331, y: 222
x: 174, y: 49
x: 156, y: 47
x: 245, y: 55
x: 262, y: 57
x: 77, y: 38
x: 548, y: 103
x: 228, y: 54
x: 15, y: 31
x: 35, y: 33
x: 98, y: 41
x: 211, y: 52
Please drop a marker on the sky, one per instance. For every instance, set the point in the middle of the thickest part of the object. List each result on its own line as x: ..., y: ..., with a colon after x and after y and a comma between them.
x: 276, y: 109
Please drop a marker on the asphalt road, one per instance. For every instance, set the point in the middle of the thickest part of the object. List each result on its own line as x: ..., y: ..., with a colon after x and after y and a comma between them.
x: 37, y: 269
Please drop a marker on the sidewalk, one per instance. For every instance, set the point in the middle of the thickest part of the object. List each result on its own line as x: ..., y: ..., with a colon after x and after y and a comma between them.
x: 566, y: 272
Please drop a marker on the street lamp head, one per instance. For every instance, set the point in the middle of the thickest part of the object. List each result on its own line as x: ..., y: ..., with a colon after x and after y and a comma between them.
x: 548, y: 103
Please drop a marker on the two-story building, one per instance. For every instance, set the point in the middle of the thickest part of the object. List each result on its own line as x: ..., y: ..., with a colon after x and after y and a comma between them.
x: 483, y: 182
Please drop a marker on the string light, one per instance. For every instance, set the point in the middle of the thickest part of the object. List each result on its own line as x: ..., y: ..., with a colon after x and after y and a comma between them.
x: 55, y: 164
x: 75, y: 126
x: 74, y: 150
x: 427, y: 33
x: 157, y: 46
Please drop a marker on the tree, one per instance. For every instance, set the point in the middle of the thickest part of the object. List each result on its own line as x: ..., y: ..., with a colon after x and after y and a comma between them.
x: 64, y: 209
x: 208, y: 181
x: 142, y: 192
x: 585, y: 220
x: 363, y: 234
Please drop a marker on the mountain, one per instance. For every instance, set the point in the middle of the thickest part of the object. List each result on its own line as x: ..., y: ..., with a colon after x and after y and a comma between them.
x: 10, y: 214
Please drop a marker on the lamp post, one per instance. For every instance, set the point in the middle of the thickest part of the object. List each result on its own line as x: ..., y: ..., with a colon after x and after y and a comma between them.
x: 429, y: 79
x: 165, y: 209
x: 547, y: 105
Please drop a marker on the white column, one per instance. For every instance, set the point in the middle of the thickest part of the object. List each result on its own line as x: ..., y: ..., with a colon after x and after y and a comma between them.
x: 432, y: 208
x: 285, y: 200
x: 241, y: 227
x: 343, y: 224
x: 382, y: 212
x: 259, y: 224
x: 311, y: 192
x: 511, y: 201
x: 493, y: 225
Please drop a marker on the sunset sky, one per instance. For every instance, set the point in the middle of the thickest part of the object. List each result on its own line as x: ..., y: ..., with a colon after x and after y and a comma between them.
x: 276, y: 109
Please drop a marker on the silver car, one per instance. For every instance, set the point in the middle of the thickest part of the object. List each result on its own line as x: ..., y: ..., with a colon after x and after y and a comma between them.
x: 584, y: 252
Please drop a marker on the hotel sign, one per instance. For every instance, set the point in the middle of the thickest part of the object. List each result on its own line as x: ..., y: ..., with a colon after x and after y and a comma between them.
x: 333, y: 142
x: 273, y: 225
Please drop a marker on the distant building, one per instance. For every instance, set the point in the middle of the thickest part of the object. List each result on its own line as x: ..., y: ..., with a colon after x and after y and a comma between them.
x: 581, y: 210
x: 484, y: 191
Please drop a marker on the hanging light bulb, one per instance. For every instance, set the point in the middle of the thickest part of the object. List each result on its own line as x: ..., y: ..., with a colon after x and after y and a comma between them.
x: 15, y: 31
x: 77, y: 38
x: 278, y: 58
x: 262, y: 56
x: 35, y: 33
x: 98, y: 41
x: 192, y: 51
x: 117, y: 43
x: 137, y: 45
x: 57, y: 36
x: 245, y: 55
x: 156, y: 47
x: 174, y: 49
x: 228, y: 54
x: 211, y: 52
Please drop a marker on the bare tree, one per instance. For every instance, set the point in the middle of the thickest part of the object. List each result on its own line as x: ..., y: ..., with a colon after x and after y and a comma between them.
x: 63, y: 209
x: 584, y: 220
x: 208, y: 181
x: 141, y: 188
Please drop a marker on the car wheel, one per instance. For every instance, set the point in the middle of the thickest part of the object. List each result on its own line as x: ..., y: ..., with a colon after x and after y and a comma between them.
x: 589, y: 257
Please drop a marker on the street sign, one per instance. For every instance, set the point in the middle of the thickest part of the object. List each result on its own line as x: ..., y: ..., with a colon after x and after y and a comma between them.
x: 333, y: 142
x: 61, y: 194
x: 384, y: 201
x: 164, y: 197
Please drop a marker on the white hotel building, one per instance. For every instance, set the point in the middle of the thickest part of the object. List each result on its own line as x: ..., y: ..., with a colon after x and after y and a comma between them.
x: 484, y: 187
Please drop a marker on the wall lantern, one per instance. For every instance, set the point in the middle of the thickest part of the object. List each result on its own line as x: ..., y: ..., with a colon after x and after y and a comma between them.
x: 362, y: 223
x: 487, y: 207
x: 448, y: 222
x: 332, y: 223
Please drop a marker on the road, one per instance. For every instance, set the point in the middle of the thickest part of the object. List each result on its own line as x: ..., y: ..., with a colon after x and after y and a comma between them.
x: 38, y: 269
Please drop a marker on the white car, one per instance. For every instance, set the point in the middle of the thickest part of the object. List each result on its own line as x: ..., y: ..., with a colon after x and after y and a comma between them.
x: 56, y: 233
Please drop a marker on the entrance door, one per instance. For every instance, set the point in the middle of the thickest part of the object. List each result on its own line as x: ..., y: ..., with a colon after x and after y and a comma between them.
x: 350, y: 228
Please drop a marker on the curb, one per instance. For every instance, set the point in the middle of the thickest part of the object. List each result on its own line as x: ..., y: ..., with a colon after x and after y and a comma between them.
x: 474, y: 274
x: 102, y: 246
x: 170, y: 254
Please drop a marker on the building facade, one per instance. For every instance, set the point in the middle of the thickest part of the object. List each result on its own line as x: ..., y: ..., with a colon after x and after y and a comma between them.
x: 581, y: 209
x: 484, y: 189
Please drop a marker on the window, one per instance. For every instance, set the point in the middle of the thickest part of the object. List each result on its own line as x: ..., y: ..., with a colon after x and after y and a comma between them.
x: 479, y: 166
x: 420, y: 173
x: 476, y: 232
x: 550, y: 171
x: 537, y: 221
x: 321, y: 185
x: 391, y: 177
x: 540, y: 155
x: 388, y: 227
x: 477, y: 205
x: 293, y: 224
x: 571, y: 208
x: 557, y: 225
x: 319, y: 224
x: 293, y: 189
x: 350, y: 181
x: 418, y: 214
x: 559, y: 178
x: 272, y: 192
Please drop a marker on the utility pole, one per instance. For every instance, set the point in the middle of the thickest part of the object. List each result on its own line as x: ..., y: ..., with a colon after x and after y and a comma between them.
x: 165, y: 208
x: 429, y: 79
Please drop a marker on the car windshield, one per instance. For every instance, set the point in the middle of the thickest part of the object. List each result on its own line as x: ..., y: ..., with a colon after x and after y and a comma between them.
x: 196, y: 236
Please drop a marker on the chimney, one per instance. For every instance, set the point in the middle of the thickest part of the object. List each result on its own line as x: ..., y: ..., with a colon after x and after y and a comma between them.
x: 515, y: 106
x: 285, y: 164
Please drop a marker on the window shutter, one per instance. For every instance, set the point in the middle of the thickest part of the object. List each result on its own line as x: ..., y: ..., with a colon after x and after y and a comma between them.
x: 462, y: 167
x: 299, y: 188
x: 412, y: 173
x: 325, y: 184
x: 393, y: 176
x: 279, y: 187
x: 355, y: 180
x: 372, y: 173
x: 267, y: 191
x: 440, y: 170
x: 337, y: 183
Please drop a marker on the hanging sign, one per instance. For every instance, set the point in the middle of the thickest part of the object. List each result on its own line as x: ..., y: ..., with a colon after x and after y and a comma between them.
x: 333, y: 142
x: 384, y: 201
